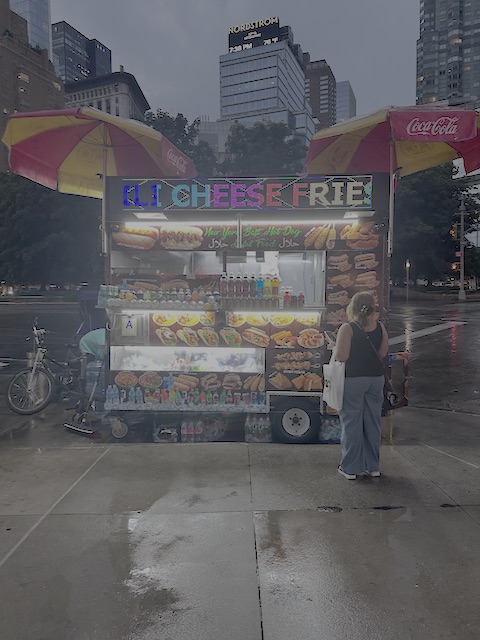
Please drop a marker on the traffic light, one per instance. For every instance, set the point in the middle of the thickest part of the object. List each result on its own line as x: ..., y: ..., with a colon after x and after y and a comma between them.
x: 455, y: 231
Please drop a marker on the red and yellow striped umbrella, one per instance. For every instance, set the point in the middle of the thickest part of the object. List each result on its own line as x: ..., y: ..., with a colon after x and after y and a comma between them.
x: 403, y: 140
x: 72, y: 149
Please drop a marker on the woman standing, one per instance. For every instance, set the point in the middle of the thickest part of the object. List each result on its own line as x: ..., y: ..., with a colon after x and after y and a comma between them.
x: 364, y: 379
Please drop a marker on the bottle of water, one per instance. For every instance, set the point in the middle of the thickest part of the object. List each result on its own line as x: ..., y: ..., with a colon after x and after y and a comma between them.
x: 131, y: 397
x: 109, y: 397
x: 138, y: 396
x: 248, y: 427
x: 268, y: 430
x: 115, y: 397
x: 254, y: 429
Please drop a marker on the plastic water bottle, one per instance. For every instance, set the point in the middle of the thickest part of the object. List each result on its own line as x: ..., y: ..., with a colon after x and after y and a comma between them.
x: 115, y: 397
x: 248, y: 426
x: 138, y: 396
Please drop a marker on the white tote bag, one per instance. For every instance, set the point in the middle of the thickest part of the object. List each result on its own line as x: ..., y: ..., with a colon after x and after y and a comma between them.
x: 333, y: 383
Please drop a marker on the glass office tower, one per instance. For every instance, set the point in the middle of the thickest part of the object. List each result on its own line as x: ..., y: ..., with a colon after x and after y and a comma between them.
x: 448, y: 51
x: 37, y: 15
x: 346, y: 101
x: 267, y: 83
x: 78, y: 57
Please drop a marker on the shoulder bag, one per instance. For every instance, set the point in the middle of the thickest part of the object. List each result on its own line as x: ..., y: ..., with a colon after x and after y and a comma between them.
x: 390, y: 399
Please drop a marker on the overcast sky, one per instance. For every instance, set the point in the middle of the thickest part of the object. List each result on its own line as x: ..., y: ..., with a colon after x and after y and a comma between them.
x: 172, y: 47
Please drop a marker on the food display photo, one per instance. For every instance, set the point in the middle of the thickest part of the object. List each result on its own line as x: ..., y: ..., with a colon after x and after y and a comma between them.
x: 191, y: 329
x: 174, y: 391
x: 296, y: 370
x: 347, y: 273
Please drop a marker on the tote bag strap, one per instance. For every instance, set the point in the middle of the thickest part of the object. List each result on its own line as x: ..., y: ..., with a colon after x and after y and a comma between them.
x: 367, y: 338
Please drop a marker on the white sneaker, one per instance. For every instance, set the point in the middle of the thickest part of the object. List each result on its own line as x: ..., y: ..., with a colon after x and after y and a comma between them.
x: 348, y: 476
x: 373, y: 474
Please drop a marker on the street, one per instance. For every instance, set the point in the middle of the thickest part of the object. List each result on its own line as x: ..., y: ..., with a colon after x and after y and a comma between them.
x: 136, y: 541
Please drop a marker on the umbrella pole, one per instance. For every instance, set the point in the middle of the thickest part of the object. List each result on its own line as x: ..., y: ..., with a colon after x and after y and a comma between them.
x: 391, y: 202
x: 104, y: 207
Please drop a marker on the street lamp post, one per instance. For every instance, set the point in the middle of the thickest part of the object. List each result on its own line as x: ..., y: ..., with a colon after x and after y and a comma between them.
x: 407, y: 267
x: 461, y: 291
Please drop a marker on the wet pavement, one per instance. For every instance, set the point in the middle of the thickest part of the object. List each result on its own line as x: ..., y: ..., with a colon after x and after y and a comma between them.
x: 145, y: 541
x: 229, y: 540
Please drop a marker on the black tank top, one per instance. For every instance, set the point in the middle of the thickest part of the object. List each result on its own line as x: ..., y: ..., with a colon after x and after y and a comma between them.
x: 362, y: 360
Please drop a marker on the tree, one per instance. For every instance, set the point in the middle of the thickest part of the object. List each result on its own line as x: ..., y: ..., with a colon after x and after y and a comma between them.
x: 184, y: 136
x: 266, y: 149
x: 425, y: 208
x: 46, y: 236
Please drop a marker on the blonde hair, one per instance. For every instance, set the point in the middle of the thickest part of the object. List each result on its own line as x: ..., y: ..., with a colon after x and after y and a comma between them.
x: 361, y: 306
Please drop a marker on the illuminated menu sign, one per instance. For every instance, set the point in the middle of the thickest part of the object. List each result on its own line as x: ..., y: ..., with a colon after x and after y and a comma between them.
x: 253, y: 34
x: 141, y: 198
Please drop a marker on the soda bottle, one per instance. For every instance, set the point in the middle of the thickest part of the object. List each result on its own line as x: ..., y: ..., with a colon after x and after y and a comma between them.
x: 223, y: 397
x: 183, y: 431
x: 286, y: 300
x: 239, y: 286
x: 229, y: 397
x: 267, y: 287
x: 231, y: 286
x: 301, y: 299
x: 215, y: 397
x: 246, y: 286
x: 191, y: 431
x: 275, y: 285
x: 209, y: 397
x: 203, y: 398
x: 253, y: 286
x: 260, y: 287
x: 199, y: 431
x: 196, y: 397
x: 224, y: 285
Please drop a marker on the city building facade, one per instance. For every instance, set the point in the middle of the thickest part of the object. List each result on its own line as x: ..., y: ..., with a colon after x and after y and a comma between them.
x: 448, y: 52
x: 262, y: 79
x: 37, y: 15
x: 321, y: 91
x: 346, y: 101
x: 28, y: 81
x: 116, y: 93
x: 78, y: 57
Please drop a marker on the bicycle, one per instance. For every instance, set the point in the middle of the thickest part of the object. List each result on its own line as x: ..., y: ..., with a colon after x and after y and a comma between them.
x: 33, y: 388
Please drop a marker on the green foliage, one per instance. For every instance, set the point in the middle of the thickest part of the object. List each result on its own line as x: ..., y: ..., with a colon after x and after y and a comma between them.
x: 266, y: 149
x: 425, y: 208
x: 46, y: 236
x: 184, y: 136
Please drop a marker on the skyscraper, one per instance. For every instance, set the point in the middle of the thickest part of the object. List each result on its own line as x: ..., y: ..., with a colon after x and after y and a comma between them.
x: 346, y: 101
x: 262, y: 78
x: 321, y: 90
x: 78, y: 57
x: 448, y: 51
x: 37, y: 15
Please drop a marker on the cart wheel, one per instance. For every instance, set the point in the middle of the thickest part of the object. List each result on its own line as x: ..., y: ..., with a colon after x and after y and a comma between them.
x: 118, y: 428
x: 296, y: 422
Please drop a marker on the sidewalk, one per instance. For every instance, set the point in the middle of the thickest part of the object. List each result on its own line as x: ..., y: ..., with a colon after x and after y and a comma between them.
x: 230, y: 541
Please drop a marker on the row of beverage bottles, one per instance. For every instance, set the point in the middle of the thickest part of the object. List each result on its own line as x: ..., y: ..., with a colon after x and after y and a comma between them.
x: 260, y: 288
x: 258, y: 428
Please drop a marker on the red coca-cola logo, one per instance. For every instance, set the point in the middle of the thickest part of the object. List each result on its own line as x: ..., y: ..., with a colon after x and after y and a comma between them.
x: 177, y: 160
x: 443, y: 126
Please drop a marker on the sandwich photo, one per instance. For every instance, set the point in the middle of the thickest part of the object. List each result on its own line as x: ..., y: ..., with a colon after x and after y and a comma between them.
x: 342, y: 280
x: 338, y: 297
x: 256, y: 337
x: 232, y: 381
x: 132, y: 237
x: 280, y: 381
x: 365, y: 261
x: 367, y: 279
x: 341, y: 262
x: 181, y: 237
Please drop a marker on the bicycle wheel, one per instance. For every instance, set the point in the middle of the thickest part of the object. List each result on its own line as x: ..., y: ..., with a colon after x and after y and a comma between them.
x: 26, y: 395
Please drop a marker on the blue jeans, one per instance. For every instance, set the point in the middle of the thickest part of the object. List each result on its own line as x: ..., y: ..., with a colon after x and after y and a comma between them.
x: 360, y: 421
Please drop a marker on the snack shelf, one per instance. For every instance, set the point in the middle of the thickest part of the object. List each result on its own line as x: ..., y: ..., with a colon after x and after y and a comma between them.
x: 130, y: 358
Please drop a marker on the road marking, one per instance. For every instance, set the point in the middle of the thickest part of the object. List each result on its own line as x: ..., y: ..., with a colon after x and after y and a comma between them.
x: 424, y: 332
x: 470, y: 464
x: 47, y: 513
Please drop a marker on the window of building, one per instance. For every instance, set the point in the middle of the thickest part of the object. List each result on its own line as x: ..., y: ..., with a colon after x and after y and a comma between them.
x: 108, y: 108
x: 23, y: 76
x: 117, y: 111
x: 99, y: 105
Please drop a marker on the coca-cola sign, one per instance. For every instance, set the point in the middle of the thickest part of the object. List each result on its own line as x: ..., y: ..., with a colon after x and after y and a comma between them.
x: 177, y: 160
x: 433, y: 126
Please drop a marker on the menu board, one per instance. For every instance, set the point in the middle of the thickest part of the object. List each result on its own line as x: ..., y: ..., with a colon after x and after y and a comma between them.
x: 174, y: 237
x: 278, y: 236
x: 166, y: 391
x: 348, y: 273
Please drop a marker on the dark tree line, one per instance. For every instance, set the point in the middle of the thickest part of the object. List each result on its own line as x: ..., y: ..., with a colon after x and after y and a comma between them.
x: 49, y: 237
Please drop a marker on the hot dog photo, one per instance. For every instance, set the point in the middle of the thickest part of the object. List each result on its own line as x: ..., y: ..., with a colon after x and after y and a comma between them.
x: 139, y: 237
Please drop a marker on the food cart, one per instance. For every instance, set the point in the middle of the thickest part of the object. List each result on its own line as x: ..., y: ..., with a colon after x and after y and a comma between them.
x: 221, y: 293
